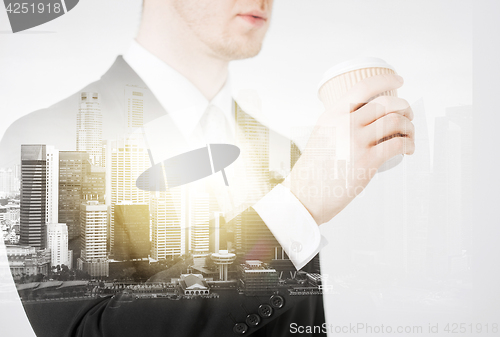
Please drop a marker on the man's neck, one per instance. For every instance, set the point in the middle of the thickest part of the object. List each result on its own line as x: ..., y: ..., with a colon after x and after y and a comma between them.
x: 164, y: 36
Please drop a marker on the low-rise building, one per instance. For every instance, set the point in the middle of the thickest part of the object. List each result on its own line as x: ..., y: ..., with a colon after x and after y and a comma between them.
x: 194, y: 284
x: 257, y: 278
x: 27, y: 260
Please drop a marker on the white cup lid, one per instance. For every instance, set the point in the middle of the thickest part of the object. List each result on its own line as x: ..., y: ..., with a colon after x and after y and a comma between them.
x: 354, y: 64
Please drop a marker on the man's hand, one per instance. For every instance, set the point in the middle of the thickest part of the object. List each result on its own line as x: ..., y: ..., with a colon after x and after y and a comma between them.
x: 345, y: 149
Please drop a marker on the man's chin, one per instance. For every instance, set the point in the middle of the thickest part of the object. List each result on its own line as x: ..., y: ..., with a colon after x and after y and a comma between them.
x: 241, y: 55
x: 237, y: 51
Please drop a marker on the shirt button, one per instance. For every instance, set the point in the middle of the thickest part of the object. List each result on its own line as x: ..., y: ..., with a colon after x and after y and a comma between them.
x: 265, y: 310
x: 277, y: 301
x: 296, y: 247
x: 253, y: 319
x: 240, y: 328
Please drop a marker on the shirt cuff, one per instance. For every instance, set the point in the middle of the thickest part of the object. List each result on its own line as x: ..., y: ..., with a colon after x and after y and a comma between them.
x: 291, y: 224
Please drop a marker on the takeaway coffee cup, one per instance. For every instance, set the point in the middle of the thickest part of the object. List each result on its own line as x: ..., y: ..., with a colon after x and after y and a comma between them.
x: 342, y: 77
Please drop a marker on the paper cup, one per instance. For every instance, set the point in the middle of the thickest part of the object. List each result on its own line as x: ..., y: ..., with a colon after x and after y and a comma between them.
x: 342, y: 77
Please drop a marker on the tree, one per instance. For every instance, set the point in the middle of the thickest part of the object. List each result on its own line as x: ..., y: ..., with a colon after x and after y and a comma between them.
x: 209, y: 263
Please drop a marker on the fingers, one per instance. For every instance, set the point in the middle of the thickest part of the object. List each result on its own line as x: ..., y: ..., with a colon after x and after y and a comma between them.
x: 363, y: 91
x: 380, y: 107
x: 387, y: 126
x: 392, y: 147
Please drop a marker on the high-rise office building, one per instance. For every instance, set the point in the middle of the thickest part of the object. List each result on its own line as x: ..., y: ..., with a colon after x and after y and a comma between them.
x: 72, y: 168
x: 89, y: 127
x: 52, y: 184
x: 10, y: 181
x: 199, y: 223
x: 134, y: 103
x: 17, y: 178
x: 6, y: 182
x: 445, y: 232
x: 219, y: 233
x: 33, y: 195
x: 94, y: 220
x: 399, y: 237
x: 181, y: 223
x: 300, y: 135
x: 253, y: 137
x: 294, y: 153
x: 258, y: 241
x: 418, y: 177
x: 57, y: 242
x: 40, y: 169
x: 168, y: 234
x: 128, y: 158
x: 131, y: 231
x: 463, y: 117
x: 94, y: 183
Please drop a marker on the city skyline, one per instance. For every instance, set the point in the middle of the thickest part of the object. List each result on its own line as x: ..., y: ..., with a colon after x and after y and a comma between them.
x: 177, y: 233
x: 73, y: 182
x: 431, y: 49
x: 453, y: 116
x: 190, y: 265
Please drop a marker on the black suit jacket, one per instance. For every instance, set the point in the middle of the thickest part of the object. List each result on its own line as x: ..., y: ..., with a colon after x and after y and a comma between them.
x: 118, y: 315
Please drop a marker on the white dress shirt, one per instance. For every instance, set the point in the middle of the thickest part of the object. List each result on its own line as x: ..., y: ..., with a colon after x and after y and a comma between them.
x: 285, y: 216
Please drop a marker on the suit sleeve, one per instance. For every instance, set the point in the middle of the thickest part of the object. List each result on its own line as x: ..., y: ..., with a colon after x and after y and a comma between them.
x: 291, y: 224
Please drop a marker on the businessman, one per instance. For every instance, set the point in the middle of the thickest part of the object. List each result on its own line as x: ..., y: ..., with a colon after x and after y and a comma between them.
x: 181, y: 55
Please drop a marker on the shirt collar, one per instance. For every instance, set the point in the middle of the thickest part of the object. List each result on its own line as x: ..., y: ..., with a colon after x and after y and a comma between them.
x: 184, y: 103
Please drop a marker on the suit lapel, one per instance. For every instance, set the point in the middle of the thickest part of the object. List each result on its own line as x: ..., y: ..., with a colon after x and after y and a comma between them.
x: 248, y: 176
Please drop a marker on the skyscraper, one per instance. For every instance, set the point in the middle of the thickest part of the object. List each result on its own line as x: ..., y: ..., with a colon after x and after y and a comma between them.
x: 131, y: 231
x: 52, y: 191
x: 445, y: 232
x: 134, y: 103
x: 219, y: 233
x: 94, y: 183
x: 258, y: 241
x: 168, y: 234
x: 6, y: 182
x: 72, y: 168
x: 463, y: 117
x: 199, y: 223
x: 94, y: 220
x: 128, y: 159
x: 253, y: 139
x: 57, y: 242
x: 181, y: 223
x: 300, y: 135
x: 294, y: 153
x: 89, y: 127
x: 33, y: 195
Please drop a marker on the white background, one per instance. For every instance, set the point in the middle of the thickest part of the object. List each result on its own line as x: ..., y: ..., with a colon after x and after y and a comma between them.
x: 428, y: 42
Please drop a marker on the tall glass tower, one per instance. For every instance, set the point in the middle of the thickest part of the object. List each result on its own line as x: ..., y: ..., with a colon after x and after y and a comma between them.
x: 33, y: 195
x: 89, y: 127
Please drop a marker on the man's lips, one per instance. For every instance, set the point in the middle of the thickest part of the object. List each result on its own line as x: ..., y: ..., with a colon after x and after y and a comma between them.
x: 255, y: 18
